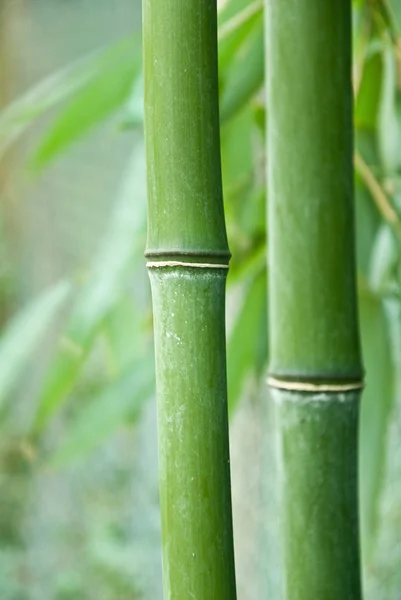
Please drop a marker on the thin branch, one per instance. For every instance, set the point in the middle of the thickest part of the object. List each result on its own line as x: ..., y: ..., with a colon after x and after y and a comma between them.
x: 239, y: 19
x: 378, y: 194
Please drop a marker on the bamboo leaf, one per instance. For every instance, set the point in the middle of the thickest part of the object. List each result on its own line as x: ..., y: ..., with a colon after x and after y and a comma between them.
x: 98, y: 99
x: 25, y: 332
x: 16, y: 117
x: 368, y: 98
x: 368, y: 217
x: 389, y: 131
x: 247, y: 344
x: 122, y: 399
x: 377, y: 401
x: 244, y: 77
x: 234, y: 31
x: 394, y: 9
x: 384, y: 262
x: 124, y: 330
x: 58, y: 87
x: 103, y: 288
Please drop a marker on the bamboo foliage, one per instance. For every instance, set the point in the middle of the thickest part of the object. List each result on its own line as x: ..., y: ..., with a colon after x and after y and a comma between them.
x: 188, y: 258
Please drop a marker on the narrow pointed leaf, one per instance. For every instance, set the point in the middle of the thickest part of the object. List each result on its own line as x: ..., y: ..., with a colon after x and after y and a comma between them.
x: 121, y: 399
x: 107, y: 278
x: 103, y: 94
x: 377, y: 402
x: 247, y: 344
x: 24, y: 334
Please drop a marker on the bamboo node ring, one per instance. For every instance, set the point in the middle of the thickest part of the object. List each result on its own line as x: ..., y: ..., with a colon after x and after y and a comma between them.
x: 307, y: 386
x: 177, y: 263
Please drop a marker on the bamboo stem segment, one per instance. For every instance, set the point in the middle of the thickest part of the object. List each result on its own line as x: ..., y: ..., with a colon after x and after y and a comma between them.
x: 316, y: 451
x: 188, y: 258
x: 315, y: 362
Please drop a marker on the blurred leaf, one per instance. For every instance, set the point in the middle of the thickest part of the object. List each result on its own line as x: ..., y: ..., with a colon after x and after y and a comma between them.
x: 394, y: 8
x: 367, y: 223
x: 384, y: 262
x: 245, y: 75
x: 367, y: 102
x: 247, y: 266
x: 63, y: 84
x: 254, y: 214
x: 124, y: 330
x: 105, y: 92
x: 377, y: 401
x: 229, y: 9
x: 121, y: 399
x: 389, y: 131
x: 16, y: 117
x: 25, y: 332
x: 133, y: 113
x: 247, y: 344
x: 108, y: 276
x: 234, y: 31
x: 368, y: 217
x: 237, y: 153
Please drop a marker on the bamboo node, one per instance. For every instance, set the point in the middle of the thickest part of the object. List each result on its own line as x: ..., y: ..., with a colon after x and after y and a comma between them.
x: 308, y: 386
x: 177, y: 263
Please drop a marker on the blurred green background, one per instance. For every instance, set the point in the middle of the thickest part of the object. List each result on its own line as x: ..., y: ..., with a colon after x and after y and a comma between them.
x: 78, y: 450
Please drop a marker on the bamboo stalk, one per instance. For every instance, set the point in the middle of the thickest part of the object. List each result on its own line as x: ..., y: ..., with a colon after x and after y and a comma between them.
x: 315, y: 368
x: 188, y: 260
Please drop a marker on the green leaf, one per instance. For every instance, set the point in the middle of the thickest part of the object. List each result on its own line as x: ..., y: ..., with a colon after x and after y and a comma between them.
x: 25, y: 332
x: 377, y: 401
x: 108, y: 90
x: 247, y: 344
x: 244, y: 77
x: 368, y: 219
x: 107, y: 279
x: 16, y: 117
x: 389, y: 131
x: 394, y: 8
x: 124, y: 329
x: 247, y: 266
x: 120, y: 400
x: 234, y: 31
x: 384, y: 262
x: 368, y: 99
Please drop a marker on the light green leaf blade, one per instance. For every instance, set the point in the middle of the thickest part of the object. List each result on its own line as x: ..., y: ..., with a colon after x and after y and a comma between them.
x: 384, y: 262
x: 394, y: 8
x: 108, y: 90
x: 107, y: 278
x: 244, y: 76
x: 56, y: 88
x: 16, y: 117
x: 124, y: 328
x: 368, y: 99
x: 368, y: 218
x: 247, y: 344
x: 377, y: 401
x: 389, y: 126
x: 121, y: 400
x: 25, y: 332
x: 234, y: 31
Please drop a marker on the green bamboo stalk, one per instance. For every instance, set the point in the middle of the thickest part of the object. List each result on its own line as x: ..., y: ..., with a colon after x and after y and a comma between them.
x: 188, y: 259
x: 315, y: 368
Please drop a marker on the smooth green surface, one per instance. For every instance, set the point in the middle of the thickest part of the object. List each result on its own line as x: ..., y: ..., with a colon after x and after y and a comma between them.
x: 182, y: 118
x: 317, y: 439
x: 313, y: 318
x: 186, y: 224
x: 194, y: 470
x: 314, y: 334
